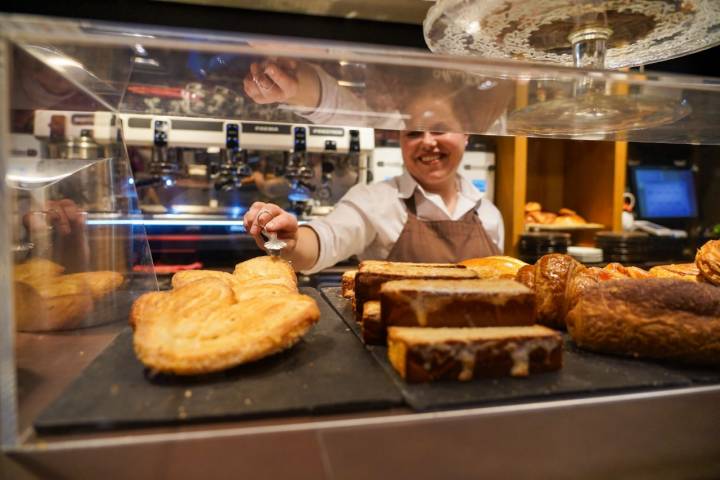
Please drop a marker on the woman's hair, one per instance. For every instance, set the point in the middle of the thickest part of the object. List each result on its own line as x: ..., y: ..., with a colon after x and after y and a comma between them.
x: 476, y: 101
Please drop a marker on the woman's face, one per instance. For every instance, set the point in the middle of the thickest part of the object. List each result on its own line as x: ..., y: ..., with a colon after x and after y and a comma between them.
x: 431, y: 152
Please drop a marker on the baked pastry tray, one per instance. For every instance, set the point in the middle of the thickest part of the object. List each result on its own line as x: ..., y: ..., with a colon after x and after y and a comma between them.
x: 583, y: 374
x: 579, y: 226
x: 328, y: 371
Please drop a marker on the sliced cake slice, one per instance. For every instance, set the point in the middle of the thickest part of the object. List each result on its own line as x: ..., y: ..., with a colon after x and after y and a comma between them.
x: 428, y: 354
x: 370, y: 277
x: 373, y: 331
x: 456, y: 303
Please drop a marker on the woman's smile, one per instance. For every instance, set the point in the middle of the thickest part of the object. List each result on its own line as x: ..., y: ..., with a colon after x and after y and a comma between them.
x: 431, y: 159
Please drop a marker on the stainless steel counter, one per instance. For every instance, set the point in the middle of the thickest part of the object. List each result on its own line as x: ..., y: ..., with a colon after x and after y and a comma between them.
x: 657, y: 434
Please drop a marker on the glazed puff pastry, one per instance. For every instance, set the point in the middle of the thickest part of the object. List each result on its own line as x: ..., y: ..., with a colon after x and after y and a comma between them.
x: 212, y: 321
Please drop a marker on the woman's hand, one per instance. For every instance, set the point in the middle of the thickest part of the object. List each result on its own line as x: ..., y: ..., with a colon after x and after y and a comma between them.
x: 270, y: 217
x: 283, y: 81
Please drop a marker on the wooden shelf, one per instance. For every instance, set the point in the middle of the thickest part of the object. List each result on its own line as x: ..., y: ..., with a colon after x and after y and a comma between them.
x: 585, y: 176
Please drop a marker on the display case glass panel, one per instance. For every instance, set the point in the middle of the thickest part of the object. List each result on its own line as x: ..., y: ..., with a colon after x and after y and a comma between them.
x: 75, y: 256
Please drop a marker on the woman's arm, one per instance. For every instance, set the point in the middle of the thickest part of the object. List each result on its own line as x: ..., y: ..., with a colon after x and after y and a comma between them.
x: 303, y: 245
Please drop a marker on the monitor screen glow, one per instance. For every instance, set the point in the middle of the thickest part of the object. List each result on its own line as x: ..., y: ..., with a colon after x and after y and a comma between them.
x: 665, y: 193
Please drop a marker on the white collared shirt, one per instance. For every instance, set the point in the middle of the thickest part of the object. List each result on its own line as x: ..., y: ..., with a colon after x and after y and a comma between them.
x: 368, y: 220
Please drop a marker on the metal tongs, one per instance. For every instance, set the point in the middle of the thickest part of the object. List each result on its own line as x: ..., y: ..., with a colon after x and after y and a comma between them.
x: 273, y: 245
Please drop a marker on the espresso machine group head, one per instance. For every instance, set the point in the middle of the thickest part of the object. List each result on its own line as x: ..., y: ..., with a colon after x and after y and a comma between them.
x: 233, y: 168
x: 294, y: 164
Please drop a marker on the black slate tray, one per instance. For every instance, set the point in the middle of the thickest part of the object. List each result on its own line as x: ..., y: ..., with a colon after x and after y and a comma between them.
x: 583, y: 373
x: 327, y: 371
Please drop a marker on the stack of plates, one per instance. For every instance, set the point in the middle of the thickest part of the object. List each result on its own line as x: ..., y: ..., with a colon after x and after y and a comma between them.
x: 623, y: 247
x: 534, y: 245
x: 586, y: 254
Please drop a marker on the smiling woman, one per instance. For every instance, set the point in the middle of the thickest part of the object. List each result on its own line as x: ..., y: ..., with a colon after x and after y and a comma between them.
x: 430, y: 213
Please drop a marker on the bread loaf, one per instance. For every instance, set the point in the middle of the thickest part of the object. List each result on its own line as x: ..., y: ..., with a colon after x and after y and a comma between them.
x: 584, y: 278
x: 653, y: 318
x: 427, y: 354
x: 707, y: 260
x: 456, y: 303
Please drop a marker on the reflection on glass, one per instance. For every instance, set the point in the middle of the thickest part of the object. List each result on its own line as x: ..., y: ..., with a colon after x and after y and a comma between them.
x: 587, y: 34
x: 596, y: 114
x: 30, y: 172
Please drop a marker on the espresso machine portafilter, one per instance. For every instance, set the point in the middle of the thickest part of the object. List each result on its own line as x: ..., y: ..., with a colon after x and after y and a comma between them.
x: 229, y: 174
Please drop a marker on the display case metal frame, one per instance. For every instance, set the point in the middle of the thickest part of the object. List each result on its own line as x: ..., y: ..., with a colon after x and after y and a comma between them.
x: 659, y: 434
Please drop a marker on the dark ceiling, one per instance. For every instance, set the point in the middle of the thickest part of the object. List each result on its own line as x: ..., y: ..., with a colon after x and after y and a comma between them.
x: 371, y: 21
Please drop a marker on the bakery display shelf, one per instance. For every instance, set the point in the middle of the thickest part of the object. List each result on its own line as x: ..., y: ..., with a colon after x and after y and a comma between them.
x: 562, y: 228
x: 583, y: 374
x: 328, y: 371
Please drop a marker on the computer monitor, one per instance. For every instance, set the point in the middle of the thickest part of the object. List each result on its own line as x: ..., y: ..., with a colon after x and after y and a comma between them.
x: 664, y: 193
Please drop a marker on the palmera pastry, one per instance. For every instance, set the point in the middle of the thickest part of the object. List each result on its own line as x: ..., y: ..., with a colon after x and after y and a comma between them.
x: 47, y: 300
x: 653, y: 318
x: 212, y: 321
x: 266, y: 269
x: 36, y: 270
x: 100, y: 283
x: 51, y: 307
x: 708, y: 262
x: 251, y: 280
x: 201, y: 328
x: 183, y: 277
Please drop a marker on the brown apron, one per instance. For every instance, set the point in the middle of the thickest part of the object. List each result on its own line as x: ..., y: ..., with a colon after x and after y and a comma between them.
x: 441, y: 241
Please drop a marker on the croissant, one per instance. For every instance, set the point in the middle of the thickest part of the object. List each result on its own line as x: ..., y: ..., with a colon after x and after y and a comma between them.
x: 629, y: 272
x: 526, y: 276
x: 552, y: 273
x: 559, y: 281
x: 708, y: 262
x: 680, y: 271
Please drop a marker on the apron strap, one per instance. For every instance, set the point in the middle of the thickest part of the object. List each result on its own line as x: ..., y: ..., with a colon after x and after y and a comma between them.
x: 410, y: 204
x: 411, y: 207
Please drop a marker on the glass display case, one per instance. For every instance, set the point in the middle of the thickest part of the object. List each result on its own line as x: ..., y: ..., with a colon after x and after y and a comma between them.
x: 75, y: 255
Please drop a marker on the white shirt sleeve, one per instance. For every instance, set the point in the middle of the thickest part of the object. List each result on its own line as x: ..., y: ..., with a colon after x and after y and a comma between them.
x: 339, y: 106
x: 345, y: 231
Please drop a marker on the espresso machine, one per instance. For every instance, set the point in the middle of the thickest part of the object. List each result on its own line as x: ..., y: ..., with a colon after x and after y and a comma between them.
x: 196, y: 177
